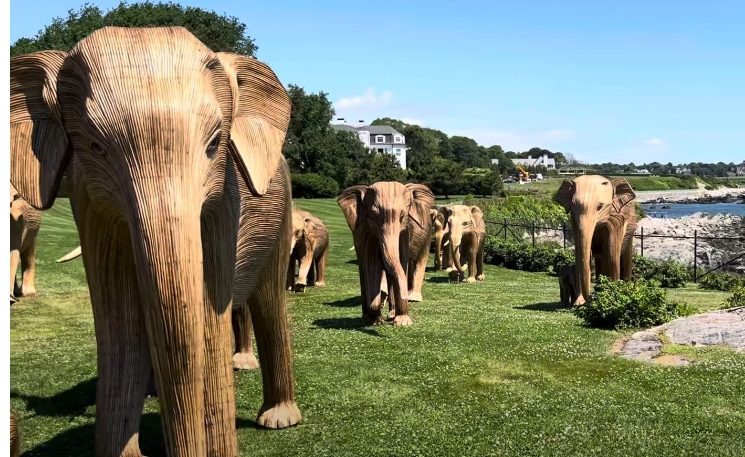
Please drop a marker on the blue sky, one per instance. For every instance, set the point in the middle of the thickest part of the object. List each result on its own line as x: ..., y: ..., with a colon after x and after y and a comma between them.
x: 623, y: 81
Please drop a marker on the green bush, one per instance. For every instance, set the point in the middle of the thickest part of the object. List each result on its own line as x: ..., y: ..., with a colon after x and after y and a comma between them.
x: 624, y: 304
x: 524, y: 209
x: 666, y: 273
x: 561, y: 258
x: 737, y: 299
x: 727, y: 282
x: 312, y: 185
x: 522, y: 256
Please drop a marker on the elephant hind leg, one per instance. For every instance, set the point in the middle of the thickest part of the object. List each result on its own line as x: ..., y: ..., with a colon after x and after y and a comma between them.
x: 15, y: 258
x: 627, y: 261
x: 244, y: 357
x: 28, y: 267
x: 321, y: 267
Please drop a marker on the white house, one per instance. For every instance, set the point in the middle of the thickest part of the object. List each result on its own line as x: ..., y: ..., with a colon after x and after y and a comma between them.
x: 543, y: 161
x: 380, y: 138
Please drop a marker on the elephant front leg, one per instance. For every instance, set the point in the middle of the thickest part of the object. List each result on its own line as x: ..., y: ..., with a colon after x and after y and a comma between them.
x: 290, y: 281
x: 416, y: 272
x: 28, y: 267
x: 306, y: 262
x: 244, y: 357
x: 321, y: 268
x: 123, y: 360
x: 627, y: 261
x: 480, y: 276
x: 472, y: 257
x: 15, y: 257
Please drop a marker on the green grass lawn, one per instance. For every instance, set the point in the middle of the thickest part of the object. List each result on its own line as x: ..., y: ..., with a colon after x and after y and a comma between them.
x: 493, y: 368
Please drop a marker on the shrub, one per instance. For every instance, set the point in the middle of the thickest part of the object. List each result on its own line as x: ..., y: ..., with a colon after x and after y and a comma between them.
x: 522, y: 256
x: 313, y: 185
x: 524, y: 209
x: 561, y: 258
x: 667, y: 273
x: 737, y: 299
x: 623, y: 304
x: 727, y: 282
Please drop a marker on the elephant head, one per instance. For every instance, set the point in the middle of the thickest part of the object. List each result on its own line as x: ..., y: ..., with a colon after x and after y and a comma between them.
x: 382, y: 217
x: 462, y: 220
x: 152, y: 127
x: 300, y: 221
x: 595, y: 202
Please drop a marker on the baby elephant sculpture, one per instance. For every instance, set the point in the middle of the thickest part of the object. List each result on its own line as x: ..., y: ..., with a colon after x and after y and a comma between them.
x: 391, y: 227
x: 309, y: 249
x: 568, y: 290
x: 25, y: 222
x: 467, y: 234
x: 442, y: 232
x: 603, y: 220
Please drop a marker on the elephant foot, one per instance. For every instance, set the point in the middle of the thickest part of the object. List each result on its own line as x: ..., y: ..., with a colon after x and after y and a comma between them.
x: 415, y: 296
x: 13, y: 300
x: 480, y: 277
x: 402, y: 320
x: 373, y: 320
x: 28, y: 291
x: 454, y: 275
x: 320, y: 283
x: 470, y: 280
x: 245, y: 361
x: 391, y: 314
x: 449, y: 269
x: 300, y: 288
x: 282, y: 415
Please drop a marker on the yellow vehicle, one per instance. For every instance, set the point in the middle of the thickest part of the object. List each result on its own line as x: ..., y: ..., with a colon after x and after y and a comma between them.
x: 522, y: 174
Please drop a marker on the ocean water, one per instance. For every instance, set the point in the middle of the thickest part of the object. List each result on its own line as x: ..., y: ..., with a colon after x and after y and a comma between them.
x: 680, y: 209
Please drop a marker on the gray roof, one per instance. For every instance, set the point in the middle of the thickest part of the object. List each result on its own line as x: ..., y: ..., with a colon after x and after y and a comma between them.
x: 373, y: 129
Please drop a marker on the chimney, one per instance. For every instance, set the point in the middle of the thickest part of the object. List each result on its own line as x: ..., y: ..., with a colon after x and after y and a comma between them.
x: 530, y: 157
x: 360, y: 123
x: 341, y: 120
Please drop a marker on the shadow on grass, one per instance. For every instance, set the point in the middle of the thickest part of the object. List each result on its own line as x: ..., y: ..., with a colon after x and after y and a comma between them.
x: 438, y: 280
x: 546, y: 307
x: 79, y: 441
x: 71, y: 402
x: 350, y: 302
x: 352, y: 262
x: 346, y: 323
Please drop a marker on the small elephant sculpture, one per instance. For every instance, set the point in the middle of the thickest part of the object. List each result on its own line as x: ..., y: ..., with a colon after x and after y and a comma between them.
x: 309, y: 251
x: 467, y: 234
x: 603, y: 220
x: 568, y: 290
x: 182, y: 200
x: 391, y: 226
x: 442, y: 236
x: 25, y: 221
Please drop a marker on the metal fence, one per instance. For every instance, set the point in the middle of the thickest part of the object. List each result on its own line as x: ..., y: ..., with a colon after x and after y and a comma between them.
x: 530, y: 231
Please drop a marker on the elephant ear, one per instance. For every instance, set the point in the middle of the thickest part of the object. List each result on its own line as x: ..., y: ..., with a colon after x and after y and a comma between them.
x: 565, y: 194
x: 38, y: 142
x: 350, y: 202
x: 622, y: 193
x: 422, y: 200
x: 261, y: 114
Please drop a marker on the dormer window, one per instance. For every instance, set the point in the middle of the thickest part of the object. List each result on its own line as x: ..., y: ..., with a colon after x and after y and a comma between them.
x: 398, y: 139
x: 380, y: 138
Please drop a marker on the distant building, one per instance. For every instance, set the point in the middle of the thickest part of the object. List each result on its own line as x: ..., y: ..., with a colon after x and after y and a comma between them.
x: 495, y: 161
x: 683, y: 171
x: 642, y: 171
x: 542, y: 161
x: 379, y: 138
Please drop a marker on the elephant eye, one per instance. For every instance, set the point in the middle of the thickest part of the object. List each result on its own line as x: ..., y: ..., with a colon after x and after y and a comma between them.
x: 212, y: 147
x: 465, y: 224
x: 600, y: 206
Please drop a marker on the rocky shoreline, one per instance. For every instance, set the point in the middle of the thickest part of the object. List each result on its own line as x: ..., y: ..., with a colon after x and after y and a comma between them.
x: 721, y: 195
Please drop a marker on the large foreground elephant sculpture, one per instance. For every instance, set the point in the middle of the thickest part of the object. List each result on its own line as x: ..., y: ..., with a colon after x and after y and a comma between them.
x: 181, y: 198
x: 391, y: 226
x: 467, y: 234
x: 603, y: 219
x: 25, y: 221
x: 309, y: 251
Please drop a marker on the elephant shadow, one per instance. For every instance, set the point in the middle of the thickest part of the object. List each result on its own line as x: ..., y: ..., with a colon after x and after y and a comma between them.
x: 346, y: 323
x: 439, y: 280
x: 353, y: 262
x: 71, y: 402
x: 549, y: 307
x: 350, y: 302
x: 79, y: 441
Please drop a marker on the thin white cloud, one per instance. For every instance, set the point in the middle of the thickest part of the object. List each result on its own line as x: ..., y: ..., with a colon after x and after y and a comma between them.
x: 368, y: 99
x: 558, y: 134
x: 655, y: 142
x: 515, y: 140
x: 413, y: 121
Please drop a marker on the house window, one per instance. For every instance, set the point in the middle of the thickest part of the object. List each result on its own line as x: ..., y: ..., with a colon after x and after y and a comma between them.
x: 380, y: 138
x: 381, y: 149
x: 398, y: 139
x: 398, y: 151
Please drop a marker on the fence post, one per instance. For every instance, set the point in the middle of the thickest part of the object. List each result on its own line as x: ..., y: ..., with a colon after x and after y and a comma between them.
x: 695, y: 256
x: 642, y: 238
x: 564, y: 233
x: 505, y: 229
x: 532, y: 232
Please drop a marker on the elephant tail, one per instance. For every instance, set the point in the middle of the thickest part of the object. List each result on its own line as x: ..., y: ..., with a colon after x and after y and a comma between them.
x: 75, y: 253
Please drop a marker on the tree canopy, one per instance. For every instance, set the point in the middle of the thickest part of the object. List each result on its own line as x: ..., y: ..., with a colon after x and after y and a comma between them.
x: 218, y: 32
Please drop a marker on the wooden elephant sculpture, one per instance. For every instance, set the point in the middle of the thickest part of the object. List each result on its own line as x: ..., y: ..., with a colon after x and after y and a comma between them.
x: 25, y: 221
x: 15, y: 437
x: 603, y: 220
x: 391, y: 227
x: 442, y: 236
x: 568, y: 286
x: 181, y: 197
x: 467, y: 234
x: 308, y: 251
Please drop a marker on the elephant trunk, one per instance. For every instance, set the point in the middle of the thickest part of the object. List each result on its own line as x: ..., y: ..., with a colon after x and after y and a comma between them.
x: 393, y: 265
x: 455, y: 239
x: 583, y: 254
x: 166, y: 238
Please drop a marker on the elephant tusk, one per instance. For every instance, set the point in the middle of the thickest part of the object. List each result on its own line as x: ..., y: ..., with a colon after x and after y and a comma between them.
x: 446, y: 243
x: 351, y: 249
x: 75, y: 253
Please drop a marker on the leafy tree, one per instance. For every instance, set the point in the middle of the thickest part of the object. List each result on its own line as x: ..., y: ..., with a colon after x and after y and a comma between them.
x: 467, y: 152
x: 397, y: 124
x: 442, y: 176
x: 217, y: 32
